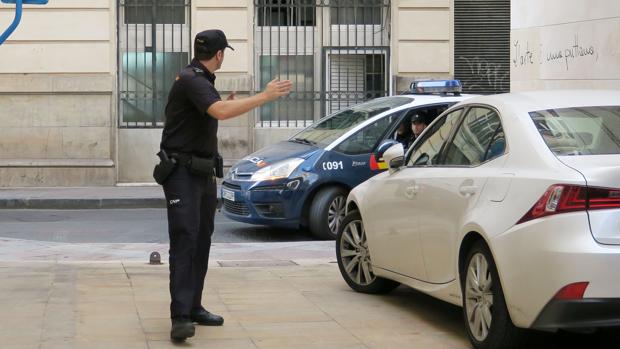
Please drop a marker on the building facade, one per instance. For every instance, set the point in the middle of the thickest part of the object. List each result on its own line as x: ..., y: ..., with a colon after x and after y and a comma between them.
x: 83, y: 83
x: 559, y: 44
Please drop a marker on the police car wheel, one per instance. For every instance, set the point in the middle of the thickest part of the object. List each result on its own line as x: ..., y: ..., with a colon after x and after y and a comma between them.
x: 327, y: 212
x: 354, y: 258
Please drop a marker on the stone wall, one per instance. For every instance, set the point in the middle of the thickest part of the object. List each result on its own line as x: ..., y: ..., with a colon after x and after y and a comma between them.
x: 558, y: 46
x: 422, y: 41
x: 57, y: 95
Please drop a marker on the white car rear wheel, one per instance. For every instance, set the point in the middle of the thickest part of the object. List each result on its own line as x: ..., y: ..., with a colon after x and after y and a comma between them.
x: 479, y: 297
x: 484, y: 308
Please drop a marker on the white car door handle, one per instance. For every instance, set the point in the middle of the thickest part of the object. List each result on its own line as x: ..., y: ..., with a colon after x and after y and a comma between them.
x: 411, y: 191
x: 468, y: 190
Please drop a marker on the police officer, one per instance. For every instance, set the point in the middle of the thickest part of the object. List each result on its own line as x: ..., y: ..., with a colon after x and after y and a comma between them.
x: 419, y: 121
x: 189, y: 140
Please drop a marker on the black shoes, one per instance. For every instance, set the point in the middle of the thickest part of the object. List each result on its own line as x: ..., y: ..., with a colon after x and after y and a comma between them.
x: 204, y: 318
x: 182, y: 328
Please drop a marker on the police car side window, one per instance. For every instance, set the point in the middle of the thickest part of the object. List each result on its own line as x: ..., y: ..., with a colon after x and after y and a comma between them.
x: 366, y: 140
x: 428, y: 149
x: 479, y: 138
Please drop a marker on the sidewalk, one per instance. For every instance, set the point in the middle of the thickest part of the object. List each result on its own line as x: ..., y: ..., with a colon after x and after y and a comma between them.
x: 83, y: 198
x: 272, y: 296
x: 125, y: 305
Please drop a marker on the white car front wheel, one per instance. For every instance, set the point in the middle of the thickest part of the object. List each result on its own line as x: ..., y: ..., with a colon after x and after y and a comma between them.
x: 354, y: 258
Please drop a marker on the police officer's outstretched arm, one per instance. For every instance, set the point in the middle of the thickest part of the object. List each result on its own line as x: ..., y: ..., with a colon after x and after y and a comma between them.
x: 227, y: 109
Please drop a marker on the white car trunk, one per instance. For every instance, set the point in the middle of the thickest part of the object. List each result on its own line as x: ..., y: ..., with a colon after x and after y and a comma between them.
x: 601, y: 171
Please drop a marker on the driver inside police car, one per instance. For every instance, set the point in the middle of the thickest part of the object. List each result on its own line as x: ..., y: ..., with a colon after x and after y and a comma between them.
x: 189, y: 148
x: 419, y: 121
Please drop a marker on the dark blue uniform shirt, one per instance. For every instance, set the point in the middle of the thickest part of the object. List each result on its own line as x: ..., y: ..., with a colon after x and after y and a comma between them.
x: 188, y: 127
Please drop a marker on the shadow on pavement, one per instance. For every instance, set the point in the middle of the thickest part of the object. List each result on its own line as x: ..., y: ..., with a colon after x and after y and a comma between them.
x: 448, y: 318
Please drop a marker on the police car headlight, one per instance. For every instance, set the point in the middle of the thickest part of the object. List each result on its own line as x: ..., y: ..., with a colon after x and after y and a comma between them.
x: 278, y: 170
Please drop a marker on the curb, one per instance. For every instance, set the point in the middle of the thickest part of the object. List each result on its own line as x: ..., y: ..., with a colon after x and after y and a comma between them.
x: 74, y: 204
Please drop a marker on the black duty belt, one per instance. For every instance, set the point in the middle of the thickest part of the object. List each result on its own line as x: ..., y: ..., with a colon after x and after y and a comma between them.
x: 183, y: 159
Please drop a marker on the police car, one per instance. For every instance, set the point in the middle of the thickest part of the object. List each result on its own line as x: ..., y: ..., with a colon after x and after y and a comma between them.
x: 304, y: 181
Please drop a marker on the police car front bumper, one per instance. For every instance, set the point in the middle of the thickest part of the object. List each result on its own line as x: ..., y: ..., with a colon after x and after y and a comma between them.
x: 273, y: 203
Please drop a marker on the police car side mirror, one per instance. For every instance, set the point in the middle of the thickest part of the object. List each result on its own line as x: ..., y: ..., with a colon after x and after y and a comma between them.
x: 392, y: 155
x: 384, y: 146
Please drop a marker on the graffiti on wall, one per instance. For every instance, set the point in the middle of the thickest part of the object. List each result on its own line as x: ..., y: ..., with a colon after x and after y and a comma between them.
x: 587, y: 50
x: 567, y: 55
x: 490, y: 74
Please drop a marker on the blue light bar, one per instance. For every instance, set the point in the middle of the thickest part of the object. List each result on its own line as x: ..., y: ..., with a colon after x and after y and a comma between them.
x: 436, y: 86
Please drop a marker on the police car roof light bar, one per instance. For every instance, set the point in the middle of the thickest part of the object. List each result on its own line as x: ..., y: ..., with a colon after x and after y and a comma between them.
x: 436, y: 86
x: 18, y: 15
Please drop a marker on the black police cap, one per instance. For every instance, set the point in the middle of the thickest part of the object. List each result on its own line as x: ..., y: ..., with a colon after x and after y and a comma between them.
x: 208, y: 42
x: 419, y: 117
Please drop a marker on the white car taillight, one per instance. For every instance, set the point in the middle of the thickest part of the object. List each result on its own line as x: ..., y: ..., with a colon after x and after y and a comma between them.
x: 560, y: 198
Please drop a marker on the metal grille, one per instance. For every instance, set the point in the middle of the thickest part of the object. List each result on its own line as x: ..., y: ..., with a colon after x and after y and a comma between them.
x: 482, y: 45
x: 238, y: 208
x: 231, y: 186
x: 336, y: 53
x: 154, y: 44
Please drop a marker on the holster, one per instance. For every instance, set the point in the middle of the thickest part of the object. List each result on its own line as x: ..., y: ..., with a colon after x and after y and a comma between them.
x: 164, y: 169
x: 202, y: 166
x: 219, y: 166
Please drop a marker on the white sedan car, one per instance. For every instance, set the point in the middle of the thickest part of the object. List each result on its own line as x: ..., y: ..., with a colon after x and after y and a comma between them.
x: 507, y: 205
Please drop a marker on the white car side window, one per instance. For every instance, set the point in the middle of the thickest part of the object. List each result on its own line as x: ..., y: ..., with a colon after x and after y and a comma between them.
x: 426, y: 152
x: 478, y: 139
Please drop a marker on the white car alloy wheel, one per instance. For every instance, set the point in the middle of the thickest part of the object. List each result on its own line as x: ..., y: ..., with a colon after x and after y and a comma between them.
x: 484, y: 308
x: 479, y: 297
x: 335, y: 214
x: 354, y: 253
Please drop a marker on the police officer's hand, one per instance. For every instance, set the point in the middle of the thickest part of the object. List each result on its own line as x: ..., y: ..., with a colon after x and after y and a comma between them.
x: 277, y: 88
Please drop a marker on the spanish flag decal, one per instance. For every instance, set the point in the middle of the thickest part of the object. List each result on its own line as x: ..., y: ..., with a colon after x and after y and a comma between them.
x: 377, y: 165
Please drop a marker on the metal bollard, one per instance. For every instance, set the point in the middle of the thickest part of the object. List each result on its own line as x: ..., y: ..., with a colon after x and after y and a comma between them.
x: 155, y: 258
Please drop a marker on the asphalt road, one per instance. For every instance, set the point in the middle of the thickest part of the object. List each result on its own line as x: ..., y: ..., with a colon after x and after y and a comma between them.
x: 125, y: 226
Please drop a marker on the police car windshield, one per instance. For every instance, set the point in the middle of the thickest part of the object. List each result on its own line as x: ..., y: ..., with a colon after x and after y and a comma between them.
x: 331, y: 128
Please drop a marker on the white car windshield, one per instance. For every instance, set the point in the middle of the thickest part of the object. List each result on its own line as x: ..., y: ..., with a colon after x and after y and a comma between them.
x: 580, y: 130
x: 331, y: 128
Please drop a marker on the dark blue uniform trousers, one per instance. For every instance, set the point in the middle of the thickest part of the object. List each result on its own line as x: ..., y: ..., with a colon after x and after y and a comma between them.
x: 191, y: 202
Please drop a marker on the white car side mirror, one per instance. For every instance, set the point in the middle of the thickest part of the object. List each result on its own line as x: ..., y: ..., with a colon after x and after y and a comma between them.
x: 394, y: 157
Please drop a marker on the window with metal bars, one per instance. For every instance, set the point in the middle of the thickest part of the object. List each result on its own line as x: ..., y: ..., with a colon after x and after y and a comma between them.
x: 336, y: 53
x: 159, y: 12
x: 286, y: 13
x: 356, y: 12
x: 154, y: 44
